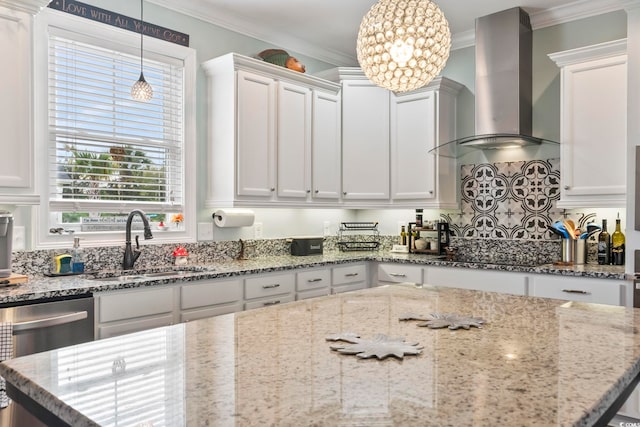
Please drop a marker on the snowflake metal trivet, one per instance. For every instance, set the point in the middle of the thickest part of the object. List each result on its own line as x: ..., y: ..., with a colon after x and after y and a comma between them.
x: 445, y: 320
x: 381, y: 346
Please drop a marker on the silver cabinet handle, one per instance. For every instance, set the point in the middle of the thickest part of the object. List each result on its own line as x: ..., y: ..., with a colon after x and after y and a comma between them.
x: 272, y: 189
x: 576, y: 291
x: 275, y: 285
x: 430, y: 191
x: 272, y: 302
x: 351, y: 274
x: 397, y: 274
x: 317, y: 191
x: 314, y: 280
x: 344, y: 193
x: 48, y: 321
x: 566, y: 187
x: 308, y: 191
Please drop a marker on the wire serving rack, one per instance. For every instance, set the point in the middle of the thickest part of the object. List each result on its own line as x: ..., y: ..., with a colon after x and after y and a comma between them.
x: 358, y: 242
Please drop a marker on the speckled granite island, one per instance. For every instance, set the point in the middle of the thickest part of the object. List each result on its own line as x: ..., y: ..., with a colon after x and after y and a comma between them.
x: 536, y: 362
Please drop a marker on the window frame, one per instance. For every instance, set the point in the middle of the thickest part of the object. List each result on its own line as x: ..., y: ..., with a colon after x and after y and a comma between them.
x: 126, y: 41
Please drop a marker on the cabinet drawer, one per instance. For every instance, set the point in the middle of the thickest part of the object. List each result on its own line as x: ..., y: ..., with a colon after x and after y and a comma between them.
x: 348, y: 288
x: 203, y: 313
x: 600, y: 291
x: 128, y: 305
x: 316, y: 279
x: 269, y: 302
x: 399, y: 273
x: 312, y: 294
x: 206, y: 293
x: 121, y: 328
x: 349, y: 274
x: 264, y: 286
x: 480, y: 280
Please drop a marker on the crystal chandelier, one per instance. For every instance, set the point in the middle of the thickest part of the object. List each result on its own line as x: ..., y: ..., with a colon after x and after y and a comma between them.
x: 141, y: 90
x: 403, y: 44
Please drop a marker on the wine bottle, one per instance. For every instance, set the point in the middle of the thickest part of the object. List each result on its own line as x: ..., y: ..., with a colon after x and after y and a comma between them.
x: 617, y: 245
x: 403, y: 236
x: 604, y: 245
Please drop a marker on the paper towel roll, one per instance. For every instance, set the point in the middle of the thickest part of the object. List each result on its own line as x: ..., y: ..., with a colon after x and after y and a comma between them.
x: 224, y: 218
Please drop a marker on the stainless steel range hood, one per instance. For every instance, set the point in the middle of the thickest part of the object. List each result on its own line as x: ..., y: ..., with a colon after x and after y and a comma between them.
x: 503, y: 106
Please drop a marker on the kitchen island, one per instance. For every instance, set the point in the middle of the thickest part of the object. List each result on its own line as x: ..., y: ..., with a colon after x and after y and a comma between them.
x: 535, y: 361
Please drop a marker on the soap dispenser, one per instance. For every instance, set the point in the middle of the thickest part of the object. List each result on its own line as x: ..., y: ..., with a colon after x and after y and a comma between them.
x: 77, y: 257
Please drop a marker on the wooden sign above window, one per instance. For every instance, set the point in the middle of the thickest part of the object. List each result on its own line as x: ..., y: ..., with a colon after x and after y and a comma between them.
x: 121, y: 21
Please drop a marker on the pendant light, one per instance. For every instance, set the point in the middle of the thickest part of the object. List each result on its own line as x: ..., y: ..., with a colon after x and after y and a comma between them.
x: 141, y: 90
x: 403, y: 44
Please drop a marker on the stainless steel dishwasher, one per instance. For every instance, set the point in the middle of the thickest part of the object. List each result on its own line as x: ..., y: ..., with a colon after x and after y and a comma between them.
x: 42, y: 326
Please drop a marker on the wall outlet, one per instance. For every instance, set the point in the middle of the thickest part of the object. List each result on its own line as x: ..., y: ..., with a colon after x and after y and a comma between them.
x: 18, y: 238
x: 205, y: 231
x: 326, y: 228
x: 257, y: 230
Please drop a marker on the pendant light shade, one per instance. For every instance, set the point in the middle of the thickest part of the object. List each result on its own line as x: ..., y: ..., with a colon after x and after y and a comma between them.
x: 141, y: 90
x: 403, y: 44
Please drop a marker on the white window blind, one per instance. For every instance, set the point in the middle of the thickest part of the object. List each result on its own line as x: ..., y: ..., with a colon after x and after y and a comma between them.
x: 107, y: 152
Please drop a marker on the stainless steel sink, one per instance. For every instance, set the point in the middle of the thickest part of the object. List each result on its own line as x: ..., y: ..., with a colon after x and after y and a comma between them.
x: 167, y: 273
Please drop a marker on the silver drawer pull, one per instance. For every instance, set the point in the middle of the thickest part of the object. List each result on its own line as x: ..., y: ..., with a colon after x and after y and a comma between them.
x: 272, y: 302
x: 397, y: 274
x: 314, y: 280
x: 351, y: 274
x: 575, y: 291
x: 275, y: 285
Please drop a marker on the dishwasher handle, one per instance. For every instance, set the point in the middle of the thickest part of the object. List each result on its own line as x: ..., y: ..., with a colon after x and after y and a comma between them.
x: 47, y: 322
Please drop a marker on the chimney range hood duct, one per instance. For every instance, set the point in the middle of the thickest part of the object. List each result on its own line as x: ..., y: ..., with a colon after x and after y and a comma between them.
x: 503, y: 107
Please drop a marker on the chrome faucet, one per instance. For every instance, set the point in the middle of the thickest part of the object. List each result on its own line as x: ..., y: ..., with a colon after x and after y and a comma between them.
x: 130, y: 255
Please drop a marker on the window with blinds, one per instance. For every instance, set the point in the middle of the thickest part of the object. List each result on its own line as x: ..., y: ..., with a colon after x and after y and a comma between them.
x: 109, y: 154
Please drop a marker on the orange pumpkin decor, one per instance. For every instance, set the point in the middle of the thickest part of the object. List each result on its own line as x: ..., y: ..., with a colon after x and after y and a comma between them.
x: 282, y: 58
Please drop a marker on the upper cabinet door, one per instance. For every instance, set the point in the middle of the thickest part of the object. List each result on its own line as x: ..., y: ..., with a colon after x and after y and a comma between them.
x: 593, y: 125
x: 413, y: 133
x: 294, y: 140
x: 16, y: 163
x: 256, y: 130
x: 326, y: 146
x: 365, y: 140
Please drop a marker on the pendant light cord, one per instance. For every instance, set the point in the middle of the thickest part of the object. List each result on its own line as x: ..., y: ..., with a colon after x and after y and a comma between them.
x: 141, y: 32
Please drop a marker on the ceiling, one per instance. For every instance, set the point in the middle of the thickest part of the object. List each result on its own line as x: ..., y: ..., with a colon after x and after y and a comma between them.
x: 327, y: 29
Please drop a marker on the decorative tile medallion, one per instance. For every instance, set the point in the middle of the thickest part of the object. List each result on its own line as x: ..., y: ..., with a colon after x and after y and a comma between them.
x: 510, y: 200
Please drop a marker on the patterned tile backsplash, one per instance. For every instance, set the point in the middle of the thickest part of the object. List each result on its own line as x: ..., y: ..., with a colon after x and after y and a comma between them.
x: 511, y: 200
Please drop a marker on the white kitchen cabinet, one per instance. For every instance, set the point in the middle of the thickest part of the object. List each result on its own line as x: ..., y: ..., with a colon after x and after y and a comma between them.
x: 582, y: 289
x: 481, y: 280
x: 313, y: 283
x: 16, y: 164
x: 260, y: 134
x: 593, y: 125
x: 399, y: 273
x: 421, y: 120
x: 365, y: 140
x: 294, y: 141
x: 208, y: 298
x: 269, y: 289
x: 256, y: 114
x: 121, y: 312
x: 326, y: 143
x: 349, y: 278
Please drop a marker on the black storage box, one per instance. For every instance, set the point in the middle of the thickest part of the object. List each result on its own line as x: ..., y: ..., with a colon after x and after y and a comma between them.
x: 302, y: 246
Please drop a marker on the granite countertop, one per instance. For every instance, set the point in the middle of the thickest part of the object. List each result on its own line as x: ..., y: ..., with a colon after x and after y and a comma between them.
x: 536, y: 361
x: 41, y: 287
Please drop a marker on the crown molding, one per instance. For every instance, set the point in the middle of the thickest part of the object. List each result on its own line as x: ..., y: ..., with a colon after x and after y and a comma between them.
x: 580, y: 9
x: 203, y: 10
x: 29, y: 6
